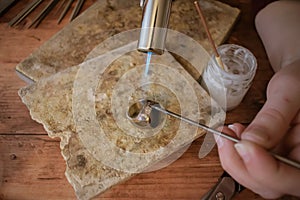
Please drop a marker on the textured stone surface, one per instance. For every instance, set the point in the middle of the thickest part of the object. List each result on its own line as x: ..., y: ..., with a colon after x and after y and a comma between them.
x: 104, y: 19
x: 52, y: 102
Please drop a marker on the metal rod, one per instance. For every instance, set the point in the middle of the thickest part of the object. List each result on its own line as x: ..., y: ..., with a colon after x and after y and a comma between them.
x: 64, y: 12
x: 26, y: 11
x: 43, y: 14
x: 221, y: 134
x: 61, y: 6
x: 218, y: 58
x: 189, y: 121
x: 76, y: 10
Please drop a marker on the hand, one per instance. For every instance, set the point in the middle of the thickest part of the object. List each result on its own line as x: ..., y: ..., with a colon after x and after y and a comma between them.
x: 275, y: 128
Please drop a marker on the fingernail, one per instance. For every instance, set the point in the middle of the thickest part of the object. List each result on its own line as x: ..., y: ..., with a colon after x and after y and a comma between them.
x: 219, y: 141
x: 232, y: 127
x: 243, y: 151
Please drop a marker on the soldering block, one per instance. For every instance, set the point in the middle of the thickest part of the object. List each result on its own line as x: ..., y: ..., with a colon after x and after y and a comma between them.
x: 85, y: 106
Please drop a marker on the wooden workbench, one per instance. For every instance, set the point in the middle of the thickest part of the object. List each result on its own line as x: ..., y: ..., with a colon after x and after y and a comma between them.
x: 31, y: 166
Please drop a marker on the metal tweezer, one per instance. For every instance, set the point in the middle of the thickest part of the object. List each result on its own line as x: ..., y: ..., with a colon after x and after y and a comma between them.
x: 5, y: 4
x: 77, y: 9
x: 43, y: 14
x: 64, y: 12
x: 26, y: 11
x: 221, y: 134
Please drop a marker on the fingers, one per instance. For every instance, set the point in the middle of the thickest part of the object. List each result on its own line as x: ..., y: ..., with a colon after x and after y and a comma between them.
x: 237, y: 129
x: 235, y: 166
x: 278, y: 27
x: 268, y: 127
x: 296, y: 120
x: 255, y: 168
x: 281, y: 107
x: 268, y: 172
x: 291, y: 143
x: 230, y: 159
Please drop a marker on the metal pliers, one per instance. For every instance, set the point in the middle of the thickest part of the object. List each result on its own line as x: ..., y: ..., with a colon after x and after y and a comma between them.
x: 225, y: 189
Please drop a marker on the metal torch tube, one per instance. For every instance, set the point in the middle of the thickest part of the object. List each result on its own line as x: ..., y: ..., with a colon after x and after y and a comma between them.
x: 156, y: 14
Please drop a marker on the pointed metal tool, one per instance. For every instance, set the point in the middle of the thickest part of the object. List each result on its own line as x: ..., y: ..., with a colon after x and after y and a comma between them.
x: 64, y: 12
x: 77, y: 9
x: 221, y: 134
x: 24, y: 13
x: 43, y: 14
x: 140, y: 113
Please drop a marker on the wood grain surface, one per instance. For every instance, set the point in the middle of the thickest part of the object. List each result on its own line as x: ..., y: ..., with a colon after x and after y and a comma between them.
x: 31, y: 166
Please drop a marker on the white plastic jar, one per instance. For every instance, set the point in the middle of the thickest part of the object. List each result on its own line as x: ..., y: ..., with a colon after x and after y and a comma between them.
x: 228, y: 87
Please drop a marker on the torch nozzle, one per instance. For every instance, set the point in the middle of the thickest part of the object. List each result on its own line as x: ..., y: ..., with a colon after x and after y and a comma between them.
x: 156, y: 14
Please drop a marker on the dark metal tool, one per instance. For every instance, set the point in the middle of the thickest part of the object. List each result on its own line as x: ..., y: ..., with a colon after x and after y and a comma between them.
x: 77, y: 9
x: 225, y: 189
x: 43, y: 14
x: 221, y: 134
x: 5, y: 5
x: 61, y: 6
x: 64, y: 12
x: 64, y: 7
x: 24, y: 13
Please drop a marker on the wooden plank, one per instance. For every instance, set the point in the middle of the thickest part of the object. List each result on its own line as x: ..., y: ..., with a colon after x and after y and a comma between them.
x: 16, y: 45
x: 31, y: 167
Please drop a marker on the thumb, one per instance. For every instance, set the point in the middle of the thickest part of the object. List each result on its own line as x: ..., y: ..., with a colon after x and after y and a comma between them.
x: 282, y: 105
